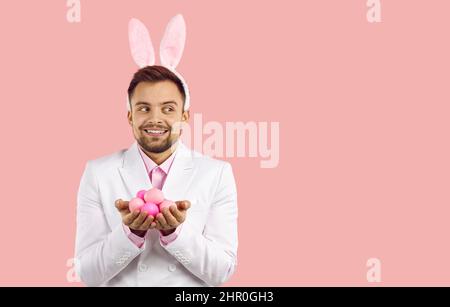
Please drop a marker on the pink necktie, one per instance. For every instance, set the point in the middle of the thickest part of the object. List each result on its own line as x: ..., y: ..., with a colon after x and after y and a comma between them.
x: 157, y: 178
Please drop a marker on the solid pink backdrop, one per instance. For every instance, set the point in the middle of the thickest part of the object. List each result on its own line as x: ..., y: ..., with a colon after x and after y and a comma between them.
x: 363, y: 111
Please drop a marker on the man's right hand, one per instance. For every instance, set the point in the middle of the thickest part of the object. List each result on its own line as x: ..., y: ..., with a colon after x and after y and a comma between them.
x: 138, y: 222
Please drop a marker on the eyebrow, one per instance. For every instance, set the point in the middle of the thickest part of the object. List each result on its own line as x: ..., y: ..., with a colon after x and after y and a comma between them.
x: 162, y: 103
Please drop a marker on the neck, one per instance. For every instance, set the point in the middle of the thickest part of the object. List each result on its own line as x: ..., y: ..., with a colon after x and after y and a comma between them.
x: 159, y: 158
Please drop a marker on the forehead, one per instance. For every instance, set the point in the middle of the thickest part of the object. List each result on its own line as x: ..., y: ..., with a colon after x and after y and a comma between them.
x: 156, y: 92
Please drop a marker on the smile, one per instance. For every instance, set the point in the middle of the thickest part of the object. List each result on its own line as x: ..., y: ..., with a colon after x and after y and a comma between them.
x: 155, y: 132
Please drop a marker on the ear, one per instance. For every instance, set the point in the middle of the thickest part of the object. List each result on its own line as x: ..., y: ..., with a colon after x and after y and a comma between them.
x: 130, y: 118
x: 172, y: 43
x: 140, y: 44
x: 185, y: 116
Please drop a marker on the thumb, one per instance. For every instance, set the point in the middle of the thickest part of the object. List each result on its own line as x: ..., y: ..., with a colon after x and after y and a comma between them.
x: 121, y: 205
x: 184, y: 205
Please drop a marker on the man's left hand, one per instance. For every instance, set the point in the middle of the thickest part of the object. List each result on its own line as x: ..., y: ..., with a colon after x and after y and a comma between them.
x: 172, y: 217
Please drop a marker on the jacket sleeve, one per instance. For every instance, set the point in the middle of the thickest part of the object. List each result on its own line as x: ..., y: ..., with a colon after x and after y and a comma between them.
x: 100, y: 252
x: 212, y: 255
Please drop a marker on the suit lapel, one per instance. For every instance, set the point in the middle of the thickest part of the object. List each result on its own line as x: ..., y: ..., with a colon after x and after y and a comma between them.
x: 133, y: 171
x: 180, y: 174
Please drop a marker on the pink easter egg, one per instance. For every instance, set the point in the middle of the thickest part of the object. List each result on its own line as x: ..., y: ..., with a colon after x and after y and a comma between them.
x: 151, y: 209
x: 135, y: 204
x: 141, y: 194
x: 166, y: 203
x: 154, y: 195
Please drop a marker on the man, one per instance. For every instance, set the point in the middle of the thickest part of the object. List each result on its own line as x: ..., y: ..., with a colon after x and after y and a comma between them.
x: 192, y: 243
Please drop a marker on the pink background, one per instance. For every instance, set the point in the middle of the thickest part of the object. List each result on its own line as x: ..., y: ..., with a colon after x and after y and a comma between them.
x: 363, y: 111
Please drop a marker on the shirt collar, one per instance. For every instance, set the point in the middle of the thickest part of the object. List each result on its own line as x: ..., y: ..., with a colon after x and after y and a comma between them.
x: 150, y: 164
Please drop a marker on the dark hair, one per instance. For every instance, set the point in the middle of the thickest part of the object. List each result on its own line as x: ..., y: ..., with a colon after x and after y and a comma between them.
x: 155, y: 73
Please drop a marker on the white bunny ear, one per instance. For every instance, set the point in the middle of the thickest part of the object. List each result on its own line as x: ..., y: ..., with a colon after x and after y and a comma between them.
x: 140, y: 44
x: 172, y: 43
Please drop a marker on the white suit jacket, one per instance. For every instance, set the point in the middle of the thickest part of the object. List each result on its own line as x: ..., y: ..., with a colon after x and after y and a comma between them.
x: 203, y: 254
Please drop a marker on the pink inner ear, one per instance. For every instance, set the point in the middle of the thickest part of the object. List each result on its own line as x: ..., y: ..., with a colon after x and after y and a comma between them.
x: 171, y: 52
x: 141, y: 46
x: 172, y: 44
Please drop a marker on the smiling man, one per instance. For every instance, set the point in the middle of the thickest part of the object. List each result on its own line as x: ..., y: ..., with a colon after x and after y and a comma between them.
x: 192, y: 243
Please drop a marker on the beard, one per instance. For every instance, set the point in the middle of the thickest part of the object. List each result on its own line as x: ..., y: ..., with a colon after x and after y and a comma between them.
x: 155, y: 144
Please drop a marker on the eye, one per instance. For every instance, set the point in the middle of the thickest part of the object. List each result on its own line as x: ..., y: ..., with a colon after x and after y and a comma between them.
x: 168, y: 109
x: 143, y: 109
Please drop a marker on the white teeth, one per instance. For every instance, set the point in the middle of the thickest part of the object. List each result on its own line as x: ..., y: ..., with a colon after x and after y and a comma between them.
x: 155, y: 131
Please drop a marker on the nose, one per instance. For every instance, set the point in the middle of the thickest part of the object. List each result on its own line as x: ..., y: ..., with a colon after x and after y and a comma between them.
x: 154, y: 117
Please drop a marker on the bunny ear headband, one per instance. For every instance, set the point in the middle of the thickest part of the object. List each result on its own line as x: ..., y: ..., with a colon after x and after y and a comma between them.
x: 170, y: 50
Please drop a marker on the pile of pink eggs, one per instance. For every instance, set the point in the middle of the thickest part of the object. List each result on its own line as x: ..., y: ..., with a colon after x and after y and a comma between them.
x: 152, y: 202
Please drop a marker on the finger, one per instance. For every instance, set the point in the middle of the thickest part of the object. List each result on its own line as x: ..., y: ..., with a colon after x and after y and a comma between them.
x: 124, y: 212
x: 179, y: 216
x: 153, y: 225
x: 170, y: 219
x: 121, y: 205
x: 146, y: 224
x: 183, y: 205
x: 139, y: 220
x: 129, y: 218
x: 161, y: 220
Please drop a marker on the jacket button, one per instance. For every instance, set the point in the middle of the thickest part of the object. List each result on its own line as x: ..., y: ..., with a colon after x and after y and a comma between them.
x: 143, y: 268
x: 172, y: 267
